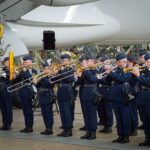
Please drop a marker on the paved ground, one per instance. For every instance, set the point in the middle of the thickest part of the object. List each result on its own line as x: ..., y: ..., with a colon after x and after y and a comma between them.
x: 14, y: 140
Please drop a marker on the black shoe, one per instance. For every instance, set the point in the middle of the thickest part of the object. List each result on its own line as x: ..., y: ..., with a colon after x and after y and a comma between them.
x: 62, y: 133
x: 8, y: 127
x: 93, y: 135
x: 118, y: 140
x: 3, y: 127
x: 146, y: 142
x: 108, y: 130
x: 23, y: 130
x: 125, y: 139
x: 82, y: 128
x: 86, y: 136
x: 103, y: 130
x: 48, y: 131
x: 141, y: 127
x: 27, y: 129
x: 134, y: 132
x: 68, y: 133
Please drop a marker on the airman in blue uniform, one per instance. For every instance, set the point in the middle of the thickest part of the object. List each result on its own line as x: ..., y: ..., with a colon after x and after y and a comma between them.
x: 100, y: 108
x: 89, y: 98
x: 134, y: 91
x: 46, y: 101
x: 142, y: 54
x: 25, y: 94
x: 65, y: 95
x: 118, y: 95
x: 143, y: 98
x: 106, y: 103
x: 6, y: 98
x: 80, y: 83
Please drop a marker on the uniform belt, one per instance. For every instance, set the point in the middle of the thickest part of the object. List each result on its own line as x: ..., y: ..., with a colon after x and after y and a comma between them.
x: 67, y: 84
x: 113, y: 83
x: 90, y: 85
x: 44, y: 90
x: 145, y: 88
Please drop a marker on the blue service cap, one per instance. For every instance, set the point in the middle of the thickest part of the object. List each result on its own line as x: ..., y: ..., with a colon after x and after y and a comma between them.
x: 45, y: 64
x: 100, y: 55
x: 82, y: 58
x: 143, y: 53
x: 6, y: 58
x: 147, y: 56
x: 27, y: 58
x: 105, y: 58
x: 120, y: 56
x: 65, y: 56
x: 131, y: 58
x: 90, y: 57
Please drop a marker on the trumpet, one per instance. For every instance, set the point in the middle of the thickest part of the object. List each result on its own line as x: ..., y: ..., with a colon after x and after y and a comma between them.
x: 139, y: 68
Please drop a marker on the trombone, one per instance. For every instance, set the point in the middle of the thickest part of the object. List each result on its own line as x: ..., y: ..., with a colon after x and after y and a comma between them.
x: 56, y: 67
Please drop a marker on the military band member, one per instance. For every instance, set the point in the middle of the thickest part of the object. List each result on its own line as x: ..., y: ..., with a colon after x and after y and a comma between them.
x: 143, y: 98
x: 100, y: 108
x: 25, y: 94
x: 134, y: 91
x: 105, y: 102
x: 89, y: 98
x: 81, y: 84
x: 6, y: 98
x: 118, y: 96
x: 65, y: 95
x: 46, y: 101
x: 142, y: 54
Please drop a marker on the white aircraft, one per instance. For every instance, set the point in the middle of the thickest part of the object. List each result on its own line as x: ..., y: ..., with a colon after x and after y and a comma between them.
x: 74, y: 22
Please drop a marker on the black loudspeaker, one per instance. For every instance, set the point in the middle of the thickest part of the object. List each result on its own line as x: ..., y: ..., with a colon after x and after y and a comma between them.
x: 49, y: 40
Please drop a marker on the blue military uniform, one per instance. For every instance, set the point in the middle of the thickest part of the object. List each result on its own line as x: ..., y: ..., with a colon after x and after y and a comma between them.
x: 6, y: 100
x: 100, y: 108
x: 64, y: 97
x: 46, y: 102
x: 81, y: 83
x: 133, y: 103
x: 107, y: 106
x: 143, y: 100
x: 89, y: 97
x: 25, y: 94
x: 141, y: 53
x: 118, y: 95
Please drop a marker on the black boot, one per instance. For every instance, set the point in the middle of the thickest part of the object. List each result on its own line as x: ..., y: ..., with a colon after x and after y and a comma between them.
x: 62, y: 133
x: 146, y: 142
x: 103, y: 130
x: 82, y: 128
x: 108, y: 130
x: 118, y: 140
x: 68, y: 132
x: 93, y: 135
x: 8, y: 126
x: 134, y: 131
x: 125, y: 139
x: 47, y: 131
x: 3, y: 127
x: 87, y: 135
x: 28, y: 129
